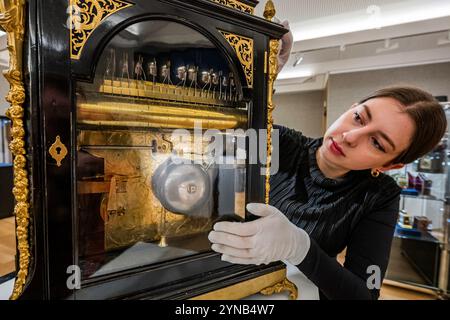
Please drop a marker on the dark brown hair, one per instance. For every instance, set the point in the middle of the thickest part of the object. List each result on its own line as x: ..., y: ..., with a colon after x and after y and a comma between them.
x: 426, y: 112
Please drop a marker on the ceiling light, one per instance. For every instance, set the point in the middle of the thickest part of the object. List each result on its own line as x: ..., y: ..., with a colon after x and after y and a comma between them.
x: 442, y: 42
x: 292, y: 74
x: 298, y: 60
x: 388, y: 46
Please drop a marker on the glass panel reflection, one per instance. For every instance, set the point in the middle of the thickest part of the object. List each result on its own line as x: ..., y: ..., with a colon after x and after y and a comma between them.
x: 5, y: 138
x: 146, y: 193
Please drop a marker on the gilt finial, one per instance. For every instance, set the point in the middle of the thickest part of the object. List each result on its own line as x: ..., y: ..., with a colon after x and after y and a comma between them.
x: 269, y: 10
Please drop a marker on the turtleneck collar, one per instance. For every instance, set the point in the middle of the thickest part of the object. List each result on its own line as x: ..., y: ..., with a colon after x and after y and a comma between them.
x: 317, y: 176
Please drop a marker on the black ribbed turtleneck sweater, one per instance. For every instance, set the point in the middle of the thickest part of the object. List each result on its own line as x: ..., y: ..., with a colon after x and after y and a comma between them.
x: 357, y: 212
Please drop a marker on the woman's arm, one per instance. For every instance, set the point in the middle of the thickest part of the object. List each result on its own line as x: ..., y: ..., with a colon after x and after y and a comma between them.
x: 291, y: 145
x: 273, y: 237
x: 369, y: 246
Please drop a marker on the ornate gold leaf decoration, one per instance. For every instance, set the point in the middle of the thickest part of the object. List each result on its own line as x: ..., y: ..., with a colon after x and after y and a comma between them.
x: 236, y: 5
x: 244, y: 50
x: 85, y: 16
x: 269, y: 10
x: 58, y: 151
x: 281, y: 286
x: 12, y: 20
x: 273, y: 69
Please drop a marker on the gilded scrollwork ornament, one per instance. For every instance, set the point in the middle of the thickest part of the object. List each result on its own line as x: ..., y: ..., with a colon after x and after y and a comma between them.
x: 12, y: 20
x: 85, y: 16
x: 236, y: 5
x: 243, y: 47
x: 284, y: 285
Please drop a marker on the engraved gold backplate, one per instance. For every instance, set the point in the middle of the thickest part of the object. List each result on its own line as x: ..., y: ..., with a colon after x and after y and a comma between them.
x: 130, y: 210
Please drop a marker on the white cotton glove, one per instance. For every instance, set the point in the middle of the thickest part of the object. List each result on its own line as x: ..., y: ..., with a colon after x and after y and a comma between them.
x: 287, y: 42
x: 270, y: 238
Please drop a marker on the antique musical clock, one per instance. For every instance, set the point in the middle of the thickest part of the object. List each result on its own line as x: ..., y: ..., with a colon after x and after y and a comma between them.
x: 110, y: 203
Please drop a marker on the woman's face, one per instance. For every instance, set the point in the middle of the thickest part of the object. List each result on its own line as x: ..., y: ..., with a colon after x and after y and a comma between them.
x: 369, y: 135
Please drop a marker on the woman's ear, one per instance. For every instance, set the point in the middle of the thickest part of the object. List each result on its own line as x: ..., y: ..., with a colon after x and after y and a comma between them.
x: 391, y: 167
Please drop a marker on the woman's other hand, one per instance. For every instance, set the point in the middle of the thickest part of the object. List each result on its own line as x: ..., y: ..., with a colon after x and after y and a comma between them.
x: 287, y: 42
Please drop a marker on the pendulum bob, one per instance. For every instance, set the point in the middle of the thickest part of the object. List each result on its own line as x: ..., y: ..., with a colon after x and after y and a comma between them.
x: 185, y: 190
x: 182, y: 188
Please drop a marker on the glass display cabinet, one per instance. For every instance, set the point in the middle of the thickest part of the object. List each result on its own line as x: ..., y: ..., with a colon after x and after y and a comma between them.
x: 115, y: 195
x: 420, y: 249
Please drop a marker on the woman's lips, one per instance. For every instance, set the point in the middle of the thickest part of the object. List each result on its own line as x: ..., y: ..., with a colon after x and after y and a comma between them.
x: 334, y: 147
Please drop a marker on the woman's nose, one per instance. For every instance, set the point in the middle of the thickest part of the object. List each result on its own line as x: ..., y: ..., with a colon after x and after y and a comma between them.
x: 352, y: 137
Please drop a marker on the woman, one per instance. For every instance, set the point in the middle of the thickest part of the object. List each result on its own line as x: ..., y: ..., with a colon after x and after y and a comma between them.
x: 331, y: 194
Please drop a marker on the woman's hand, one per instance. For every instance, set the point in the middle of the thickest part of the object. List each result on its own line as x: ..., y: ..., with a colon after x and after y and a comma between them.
x: 287, y: 42
x: 270, y: 238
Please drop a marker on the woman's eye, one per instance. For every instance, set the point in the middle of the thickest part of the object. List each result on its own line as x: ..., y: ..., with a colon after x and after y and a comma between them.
x: 377, y: 145
x: 357, y: 117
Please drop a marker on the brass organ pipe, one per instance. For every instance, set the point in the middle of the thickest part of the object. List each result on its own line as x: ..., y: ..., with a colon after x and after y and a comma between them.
x: 158, y: 116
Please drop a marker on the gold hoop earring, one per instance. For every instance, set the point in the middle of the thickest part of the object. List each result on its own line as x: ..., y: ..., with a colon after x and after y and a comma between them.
x: 375, y: 173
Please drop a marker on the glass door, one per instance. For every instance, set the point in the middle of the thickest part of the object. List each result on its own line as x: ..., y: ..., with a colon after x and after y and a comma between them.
x: 160, y: 148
